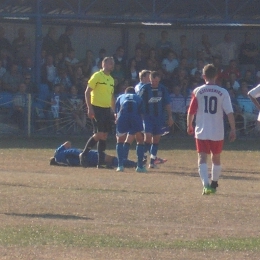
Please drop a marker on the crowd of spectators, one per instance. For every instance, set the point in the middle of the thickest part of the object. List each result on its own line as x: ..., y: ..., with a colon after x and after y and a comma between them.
x: 64, y: 76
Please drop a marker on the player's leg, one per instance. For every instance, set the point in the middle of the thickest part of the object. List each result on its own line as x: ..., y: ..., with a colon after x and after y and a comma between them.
x: 104, y: 124
x: 92, y: 141
x: 122, y: 128
x: 216, y: 149
x: 215, y: 170
x: 203, y: 150
x: 120, y: 151
x: 128, y: 141
x: 148, y: 127
x: 140, y: 152
x: 154, y: 150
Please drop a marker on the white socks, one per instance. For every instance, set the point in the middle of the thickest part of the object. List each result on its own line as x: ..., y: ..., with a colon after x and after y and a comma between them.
x: 216, y: 171
x: 203, y: 172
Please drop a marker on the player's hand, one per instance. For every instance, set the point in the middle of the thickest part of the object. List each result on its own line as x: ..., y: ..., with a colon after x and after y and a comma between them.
x: 190, y: 130
x: 232, y: 135
x: 91, y: 113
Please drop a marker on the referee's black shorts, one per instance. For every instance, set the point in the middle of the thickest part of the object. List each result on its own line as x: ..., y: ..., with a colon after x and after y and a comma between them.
x: 102, y: 121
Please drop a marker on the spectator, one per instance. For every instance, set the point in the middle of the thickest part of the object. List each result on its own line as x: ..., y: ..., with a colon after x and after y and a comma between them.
x: 237, y: 111
x: 78, y: 80
x: 30, y: 85
x: 12, y: 79
x: 163, y: 46
x: 6, y: 59
x: 4, y: 43
x: 143, y: 45
x: 20, y: 106
x: 217, y: 64
x: 118, y: 72
x: 170, y: 63
x: 233, y: 82
x: 71, y: 62
x: 132, y: 73
x: 249, y: 78
x: 28, y: 67
x: 199, y: 67
x: 96, y: 67
x: 152, y: 61
x: 63, y: 78
x: 205, y: 47
x: 87, y: 63
x: 119, y: 57
x: 183, y: 44
x: 185, y: 53
x: 2, y: 69
x: 21, y: 47
x: 76, y: 108
x: 59, y: 61
x: 232, y: 68
x: 247, y: 107
x: 55, y: 106
x: 178, y: 108
x: 49, y: 42
x: 227, y: 50
x: 247, y: 55
x: 49, y: 72
x: 101, y: 55
x: 64, y: 42
x: 139, y: 60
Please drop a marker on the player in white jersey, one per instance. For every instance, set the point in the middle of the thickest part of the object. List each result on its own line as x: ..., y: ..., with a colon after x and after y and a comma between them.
x: 209, y: 102
x: 253, y: 95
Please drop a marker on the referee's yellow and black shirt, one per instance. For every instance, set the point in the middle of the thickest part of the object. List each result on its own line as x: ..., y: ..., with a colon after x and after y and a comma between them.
x: 102, y: 86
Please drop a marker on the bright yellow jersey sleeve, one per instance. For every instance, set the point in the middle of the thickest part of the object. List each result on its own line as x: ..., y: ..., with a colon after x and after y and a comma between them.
x: 102, y: 86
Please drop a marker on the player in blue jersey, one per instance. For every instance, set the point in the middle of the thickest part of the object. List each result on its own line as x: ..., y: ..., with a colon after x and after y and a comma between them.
x: 66, y: 155
x: 128, y: 113
x: 156, y: 101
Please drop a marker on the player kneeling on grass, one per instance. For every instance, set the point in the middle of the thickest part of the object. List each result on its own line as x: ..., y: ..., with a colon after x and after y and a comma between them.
x: 66, y: 155
x: 128, y: 114
x: 209, y: 102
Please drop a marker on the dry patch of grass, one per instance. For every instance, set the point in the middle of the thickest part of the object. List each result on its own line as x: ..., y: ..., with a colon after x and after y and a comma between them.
x: 49, y: 212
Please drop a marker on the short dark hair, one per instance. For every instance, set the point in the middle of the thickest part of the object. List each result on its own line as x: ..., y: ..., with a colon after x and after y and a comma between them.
x: 155, y: 74
x: 130, y: 90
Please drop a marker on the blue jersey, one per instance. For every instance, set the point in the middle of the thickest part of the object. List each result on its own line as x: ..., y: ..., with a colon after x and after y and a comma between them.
x: 71, y: 156
x: 129, y: 103
x: 155, y: 100
x: 67, y: 156
x: 129, y: 109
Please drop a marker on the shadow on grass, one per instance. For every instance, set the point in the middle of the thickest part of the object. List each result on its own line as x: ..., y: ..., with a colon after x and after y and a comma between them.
x: 49, y: 216
x: 228, y: 177
x: 166, y: 143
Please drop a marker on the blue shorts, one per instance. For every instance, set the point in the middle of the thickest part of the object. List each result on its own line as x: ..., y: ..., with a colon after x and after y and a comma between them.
x: 153, y: 125
x: 129, y: 123
x: 92, y: 158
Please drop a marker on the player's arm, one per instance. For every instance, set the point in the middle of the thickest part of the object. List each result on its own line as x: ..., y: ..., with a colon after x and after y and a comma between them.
x: 254, y: 100
x: 113, y: 104
x: 231, y: 120
x: 192, y: 110
x: 169, y: 112
x: 88, y: 102
x: 190, y: 118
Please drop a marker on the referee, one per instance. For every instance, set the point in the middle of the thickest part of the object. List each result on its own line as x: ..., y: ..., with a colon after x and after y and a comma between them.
x: 100, y: 100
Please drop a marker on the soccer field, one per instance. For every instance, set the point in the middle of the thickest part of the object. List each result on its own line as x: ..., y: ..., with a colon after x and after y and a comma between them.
x: 50, y: 212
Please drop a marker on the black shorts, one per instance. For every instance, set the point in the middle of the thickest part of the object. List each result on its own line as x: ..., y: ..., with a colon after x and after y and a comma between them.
x: 102, y: 121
